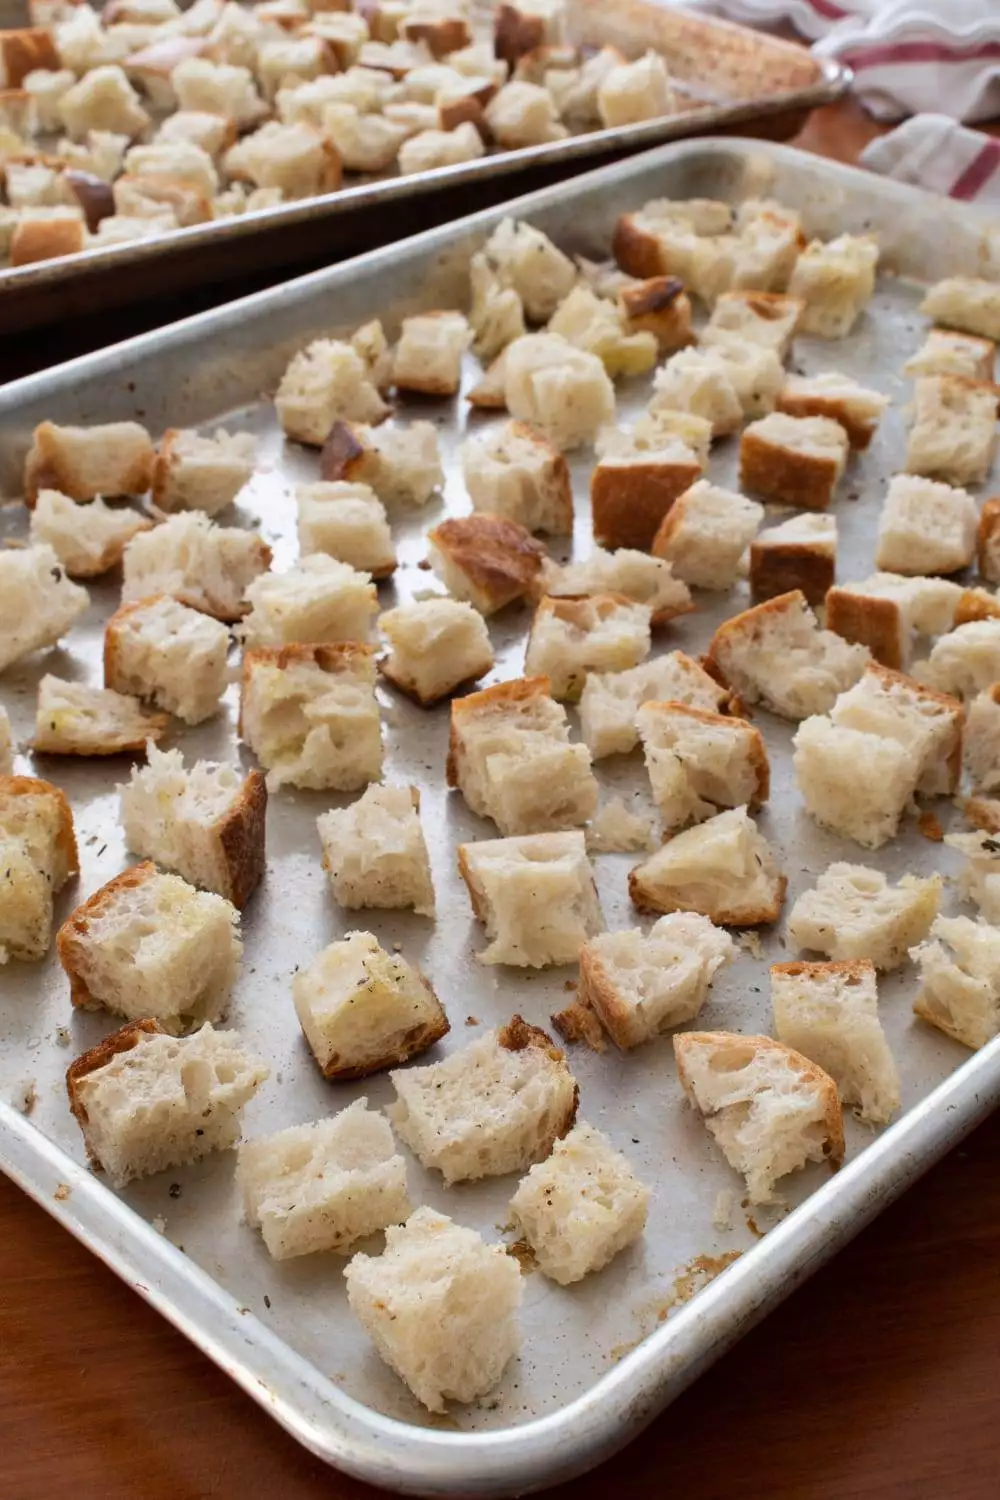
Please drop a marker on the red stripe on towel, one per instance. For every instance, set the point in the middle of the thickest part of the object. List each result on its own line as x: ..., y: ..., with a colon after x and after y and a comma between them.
x: 896, y: 53
x: 978, y: 172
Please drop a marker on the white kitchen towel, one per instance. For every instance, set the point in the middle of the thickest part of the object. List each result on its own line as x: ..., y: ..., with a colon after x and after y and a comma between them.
x: 933, y: 151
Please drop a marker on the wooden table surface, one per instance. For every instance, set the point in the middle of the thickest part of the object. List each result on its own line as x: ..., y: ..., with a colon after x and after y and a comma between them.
x: 877, y: 1379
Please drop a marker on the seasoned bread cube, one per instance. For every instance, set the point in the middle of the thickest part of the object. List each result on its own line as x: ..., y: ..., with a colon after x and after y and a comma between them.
x: 288, y: 59
x: 793, y: 460
x: 74, y: 719
x: 766, y: 319
x: 428, y: 356
x: 700, y: 762
x: 633, y: 487
x: 630, y: 574
x: 592, y: 323
x: 839, y: 397
x: 927, y: 723
x: 635, y: 91
x: 201, y: 473
x: 664, y: 237
x: 102, y: 100
x: 326, y: 382
x: 656, y: 429
x: 611, y: 700
x: 44, y: 88
x: 429, y: 149
x: 980, y: 878
x: 486, y: 560
x: 206, y: 823
x: 642, y: 985
x: 526, y: 259
x: 440, y: 1306
x: 705, y: 534
x: 829, y: 1013
x: 496, y: 314
x: 362, y: 1009
x: 535, y: 895
x: 853, y: 913
x: 435, y: 647
x: 162, y: 650
x: 925, y: 527
x: 510, y: 756
x: 7, y: 745
x: 964, y: 662
x: 84, y: 462
x: 769, y: 1109
x: 310, y: 715
x: 375, y: 854
x: 658, y: 305
x: 562, y: 391
x: 513, y: 472
x: 947, y: 353
x: 401, y: 464
x: 776, y: 654
x: 213, y: 133
x: 723, y: 868
x: 222, y: 87
x: 325, y: 1185
x: 298, y: 160
x: 954, y: 429
x: 571, y: 637
x: 87, y: 539
x: 988, y: 541
x: 836, y: 281
x: 981, y: 741
x: 868, y: 807
x: 150, y: 945
x: 965, y: 303
x: 146, y: 1100
x: 38, y: 855
x: 960, y: 979
x: 346, y: 521
x: 800, y: 553
x: 523, y: 114
x: 205, y: 566
x: 319, y: 600
x: 701, y: 382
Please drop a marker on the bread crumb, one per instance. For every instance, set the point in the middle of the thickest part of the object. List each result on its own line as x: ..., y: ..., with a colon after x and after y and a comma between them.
x: 62, y: 1036
x: 160, y: 1224
x: 524, y: 1255
x: 929, y: 825
x: 472, y: 1020
x: 615, y: 830
x: 62, y: 1192
x: 23, y: 1095
x: 751, y: 942
x: 578, y: 1023
x: 725, y: 1209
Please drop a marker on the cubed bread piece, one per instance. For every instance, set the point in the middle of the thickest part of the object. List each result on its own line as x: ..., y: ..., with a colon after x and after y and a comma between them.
x: 486, y: 560
x: 868, y: 807
x: 981, y: 741
x: 213, y: 133
x: 429, y: 149
x: 947, y: 353
x: 510, y: 756
x: 440, y: 1306
x: 927, y: 723
x: 428, y: 357
x: 528, y: 27
x: 490, y: 391
x: 206, y: 823
x: 776, y: 654
x: 38, y: 855
x: 205, y: 566
x: 836, y: 281
x: 401, y: 464
x: 146, y: 1100
x: 325, y: 1185
x: 44, y: 88
x: 800, y: 553
x: 705, y: 534
x: 87, y: 539
x: 201, y: 473
x: 831, y: 394
x: 829, y: 1013
x: 496, y: 314
x: 611, y: 700
x: 535, y: 895
x: 46, y: 234
x: 593, y: 323
x: 960, y: 979
x: 964, y: 662
x: 435, y: 647
x: 988, y: 541
x: 168, y: 653
x: 299, y: 160
x: 643, y: 985
x: 655, y: 429
x: 633, y: 575
x: 723, y: 868
x: 523, y: 114
x: 562, y: 391
x: 326, y: 381
x: 884, y: 611
x: 571, y: 637
x: 174, y: 162
x: 7, y: 745
x: 954, y: 429
x: 363, y: 142
x: 854, y: 913
x: 526, y: 259
x: 362, y: 1009
x: 513, y: 472
x: 980, y: 878
x: 699, y: 381
x: 632, y: 488
x: 636, y: 91
x: 310, y: 715
x: 658, y: 305
x: 700, y: 762
x: 615, y: 830
x: 74, y: 719
x: 346, y: 521
x: 925, y: 527
x: 375, y: 854
x: 769, y: 1109
x: 291, y: 58
x: 102, y: 100
x: 766, y: 319
x: 150, y: 945
x: 793, y: 460
x: 966, y: 303
x: 664, y: 237
x: 84, y: 462
x: 318, y: 601
x: 221, y: 87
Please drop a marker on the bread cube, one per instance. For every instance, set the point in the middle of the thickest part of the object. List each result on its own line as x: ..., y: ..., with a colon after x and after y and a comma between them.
x: 947, y: 353
x: 201, y: 473
x: 428, y: 356
x: 839, y: 397
x: 429, y: 149
x: 571, y: 637
x: 632, y: 488
x: 146, y: 1100
x: 532, y: 26
x: 46, y: 234
x: 510, y: 756
x: 84, y: 462
x: 326, y: 382
x: 435, y: 647
x: 884, y: 611
x: 701, y: 382
x: 981, y: 741
x: 222, y: 87
x: 319, y: 600
x: 489, y: 392
x: 765, y: 319
x: 700, y: 762
x: 853, y: 913
x: 348, y: 522
x: 705, y: 533
x: 535, y: 895
x: 74, y: 719
x: 168, y: 653
x: 953, y: 436
x: 800, y: 553
x: 374, y: 851
x: 562, y: 391
x: 596, y: 325
x: 836, y: 281
x: 926, y: 527
x: 7, y: 745
x: 966, y: 661
x: 102, y: 100
x: 927, y: 723
x: 206, y: 823
x: 292, y: 58
x: 310, y: 715
x: 793, y: 460
x: 486, y: 560
x: 980, y: 878
x: 643, y: 985
x: 514, y: 473
x: 44, y: 88
x: 633, y: 575
x: 966, y: 303
x: 658, y: 305
x: 666, y: 236
x: 724, y: 869
x: 611, y: 700
x: 174, y: 162
x: 38, y: 855
x: 401, y: 464
x: 770, y: 1110
x: 148, y: 945
x: 436, y: 1277
x: 213, y: 133
x: 526, y: 259
x: 636, y: 91
x: 363, y: 142
x: 87, y: 539
x: 299, y: 160
x: 960, y: 979
x: 988, y: 541
x: 865, y: 808
x: 615, y: 830
x: 496, y: 314
x: 523, y: 114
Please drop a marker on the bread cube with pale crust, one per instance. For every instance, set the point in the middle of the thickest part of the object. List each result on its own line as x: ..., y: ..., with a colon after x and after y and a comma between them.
x: 435, y: 647
x: 723, y: 868
x: 375, y: 853
x: 535, y: 895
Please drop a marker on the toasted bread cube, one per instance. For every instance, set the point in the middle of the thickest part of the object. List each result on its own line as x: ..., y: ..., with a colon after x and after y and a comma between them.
x: 428, y: 357
x: 562, y: 391
x: 161, y: 650
x: 87, y: 539
x: 310, y: 715
x: 776, y: 654
x: 7, y: 745
x: 655, y: 429
x: 705, y: 534
x: 326, y: 382
x: 633, y: 575
x: 954, y: 431
x: 658, y: 305
x: 765, y: 319
x: 800, y: 553
x: 980, y: 877
x: 532, y: 26
x: 947, y: 353
x: 434, y: 1275
x: 523, y: 114
x: 38, y: 603
x: 960, y: 979
x: 571, y: 637
x: 636, y: 91
x: 150, y: 945
x: 496, y: 315
x: 297, y: 159
x: 988, y: 541
x: 793, y: 460
x: 102, y: 100
x: 510, y: 756
x: 853, y: 913
x: 486, y: 560
x: 325, y: 1185
x: 927, y: 723
x: 592, y: 323
x: 526, y: 259
x: 513, y: 472
x: 699, y: 381
x: 836, y: 281
x: 700, y: 762
x: 770, y: 1110
x: 74, y: 719
x: 208, y: 567
x: 723, y: 868
x: 435, y: 647
x: 964, y: 662
x: 925, y: 527
x: 319, y: 600
x: 666, y: 236
x: 868, y: 807
x: 429, y: 149
x: 535, y: 895
x: 643, y: 985
x: 346, y: 521
x: 362, y: 1010
x: 84, y: 462
x: 201, y: 473
x: 884, y: 611
x: 981, y: 744
x: 38, y: 855
x: 45, y: 234
x: 206, y: 823
x: 213, y: 133
x: 845, y: 400
x: 292, y: 58
x: 401, y: 464
x: 146, y: 1100
x: 633, y: 489
x: 611, y: 700
x: 965, y: 303
x: 489, y: 392
x: 375, y: 854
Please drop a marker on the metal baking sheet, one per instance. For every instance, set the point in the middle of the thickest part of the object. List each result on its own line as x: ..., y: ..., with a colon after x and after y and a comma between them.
x: 601, y: 1358
x: 728, y: 77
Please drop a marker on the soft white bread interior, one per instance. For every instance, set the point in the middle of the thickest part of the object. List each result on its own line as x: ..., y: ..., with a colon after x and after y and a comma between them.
x: 38, y: 603
x: 526, y: 259
x: 375, y: 853
x: 945, y: 352
x: 195, y: 472
x: 593, y: 323
x: 965, y: 662
x: 979, y: 880
x: 953, y: 436
x: 925, y: 527
x: 723, y: 868
x: 700, y: 762
x: 87, y: 539
x: 610, y: 700
x: 854, y: 913
x: 705, y: 534
x: 435, y: 646
x: 634, y: 575
x: 927, y: 723
x: 966, y: 303
x: 515, y: 472
x: 867, y: 809
x: 535, y: 895
x: 206, y: 566
x: 38, y: 855
x: 573, y: 637
x: 836, y: 281
x: 562, y: 391
x: 174, y: 656
x: 72, y: 718
x: 317, y: 600
x: 981, y: 740
x: 346, y: 521
x: 323, y: 382
x: 84, y: 462
x: 960, y: 979
x: 428, y: 355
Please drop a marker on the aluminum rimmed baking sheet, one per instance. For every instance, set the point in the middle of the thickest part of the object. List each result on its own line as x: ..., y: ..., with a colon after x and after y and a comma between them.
x: 601, y: 1358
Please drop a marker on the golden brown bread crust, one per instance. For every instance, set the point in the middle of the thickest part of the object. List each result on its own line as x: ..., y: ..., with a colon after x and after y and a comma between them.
x: 35, y: 786
x: 988, y: 539
x: 859, y: 433
x: 629, y: 503
x: 333, y: 657
x: 982, y: 812
x: 778, y: 567
x: 112, y: 639
x: 409, y: 1045
x: 637, y: 250
x: 123, y: 1040
x: 868, y: 621
x: 579, y: 1023
x: 889, y: 678
x: 516, y: 32
x: 467, y: 109
x: 756, y: 750
x: 242, y: 838
x: 800, y: 479
x: 515, y: 1036
x: 72, y: 934
x: 852, y: 969
x: 499, y: 557
x: 645, y: 899
x: 465, y: 870
x: 426, y: 700
x: 746, y: 623
x: 501, y: 694
x: 443, y: 35
x: 974, y: 604
x: 417, y: 384
x: 343, y: 454
x: 490, y: 391
x: 46, y: 468
x: 46, y: 239
x: 660, y: 306
x: 596, y: 989
x: 21, y: 52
